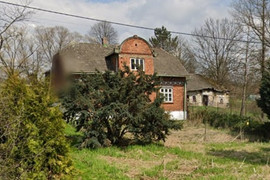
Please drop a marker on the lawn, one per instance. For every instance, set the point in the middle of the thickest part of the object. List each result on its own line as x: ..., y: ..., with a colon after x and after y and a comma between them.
x: 185, y: 155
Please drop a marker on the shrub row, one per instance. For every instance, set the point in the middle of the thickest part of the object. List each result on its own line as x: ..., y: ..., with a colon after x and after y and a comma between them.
x: 234, y: 122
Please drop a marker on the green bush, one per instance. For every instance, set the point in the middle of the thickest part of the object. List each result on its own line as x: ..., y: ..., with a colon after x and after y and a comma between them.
x: 32, y: 141
x: 225, y: 120
x: 264, y: 101
x: 107, y: 106
x: 258, y: 129
x: 235, y: 123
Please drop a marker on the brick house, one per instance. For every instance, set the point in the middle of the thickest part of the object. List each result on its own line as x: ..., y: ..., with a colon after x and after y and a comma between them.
x: 87, y: 58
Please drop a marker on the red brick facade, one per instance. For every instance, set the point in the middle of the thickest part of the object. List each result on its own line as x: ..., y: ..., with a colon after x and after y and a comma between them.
x: 178, y: 99
x: 136, y: 47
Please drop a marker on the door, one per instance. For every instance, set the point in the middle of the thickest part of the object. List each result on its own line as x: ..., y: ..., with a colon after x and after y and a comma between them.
x: 205, y: 100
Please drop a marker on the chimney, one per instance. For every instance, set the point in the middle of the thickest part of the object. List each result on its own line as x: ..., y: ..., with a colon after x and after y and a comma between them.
x: 105, y: 42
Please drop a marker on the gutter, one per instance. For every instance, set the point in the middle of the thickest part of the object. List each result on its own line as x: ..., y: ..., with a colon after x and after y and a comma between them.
x: 177, y: 76
x: 185, y: 100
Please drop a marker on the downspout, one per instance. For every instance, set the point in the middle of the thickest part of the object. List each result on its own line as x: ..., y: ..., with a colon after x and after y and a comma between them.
x: 185, y: 100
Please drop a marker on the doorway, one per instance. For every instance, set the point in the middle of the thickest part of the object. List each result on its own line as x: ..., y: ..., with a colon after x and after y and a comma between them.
x: 205, y: 100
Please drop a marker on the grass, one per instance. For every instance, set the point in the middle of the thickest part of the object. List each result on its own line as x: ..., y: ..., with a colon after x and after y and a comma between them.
x: 219, y: 160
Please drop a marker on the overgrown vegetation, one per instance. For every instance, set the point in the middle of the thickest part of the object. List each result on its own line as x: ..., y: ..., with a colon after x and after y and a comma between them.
x: 264, y: 101
x: 107, y: 106
x: 187, y: 159
x: 32, y: 140
x: 236, y: 123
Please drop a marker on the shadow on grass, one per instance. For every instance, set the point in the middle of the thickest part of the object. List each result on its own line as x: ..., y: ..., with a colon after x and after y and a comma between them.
x: 75, y: 140
x: 254, y: 158
x: 266, y: 149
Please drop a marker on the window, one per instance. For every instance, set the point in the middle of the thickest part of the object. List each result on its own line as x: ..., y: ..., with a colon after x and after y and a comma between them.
x: 135, y: 63
x: 167, y: 93
x: 221, y: 101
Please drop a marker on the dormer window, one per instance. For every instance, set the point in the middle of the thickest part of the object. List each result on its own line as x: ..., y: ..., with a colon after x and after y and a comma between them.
x: 135, y: 63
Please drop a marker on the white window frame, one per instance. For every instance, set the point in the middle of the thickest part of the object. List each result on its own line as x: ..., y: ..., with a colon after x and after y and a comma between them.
x: 139, y: 60
x: 167, y: 92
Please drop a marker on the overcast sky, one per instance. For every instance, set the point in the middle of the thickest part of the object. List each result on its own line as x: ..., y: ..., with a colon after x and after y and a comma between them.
x: 175, y: 15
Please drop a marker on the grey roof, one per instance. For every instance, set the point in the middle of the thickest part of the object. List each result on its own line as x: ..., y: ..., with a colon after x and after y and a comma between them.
x: 166, y: 64
x: 88, y: 58
x: 197, y: 82
x: 85, y: 57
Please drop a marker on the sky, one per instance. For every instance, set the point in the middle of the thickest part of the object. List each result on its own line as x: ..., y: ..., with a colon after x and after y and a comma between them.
x: 175, y: 15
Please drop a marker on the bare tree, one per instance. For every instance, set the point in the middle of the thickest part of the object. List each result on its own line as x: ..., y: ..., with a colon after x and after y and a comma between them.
x: 53, y: 39
x: 9, y: 15
x: 249, y: 53
x: 100, y: 30
x: 186, y: 55
x: 16, y: 51
x: 217, y: 57
x: 255, y: 15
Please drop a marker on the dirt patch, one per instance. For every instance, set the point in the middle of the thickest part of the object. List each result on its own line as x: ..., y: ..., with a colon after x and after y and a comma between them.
x: 191, y: 134
x: 180, y: 169
x: 135, y: 166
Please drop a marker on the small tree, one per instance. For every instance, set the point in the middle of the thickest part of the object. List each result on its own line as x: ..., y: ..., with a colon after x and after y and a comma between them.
x: 163, y: 39
x: 32, y: 141
x: 106, y: 106
x: 264, y: 101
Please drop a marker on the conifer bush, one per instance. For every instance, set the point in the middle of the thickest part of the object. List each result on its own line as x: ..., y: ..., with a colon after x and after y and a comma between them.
x: 32, y: 140
x: 107, y: 106
x: 264, y: 101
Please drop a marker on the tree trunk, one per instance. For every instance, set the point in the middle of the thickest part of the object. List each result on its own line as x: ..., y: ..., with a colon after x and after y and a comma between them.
x: 263, y: 41
x: 243, y: 104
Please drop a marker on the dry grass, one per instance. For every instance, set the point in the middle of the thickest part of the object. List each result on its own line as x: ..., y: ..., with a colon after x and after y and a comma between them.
x: 185, y: 155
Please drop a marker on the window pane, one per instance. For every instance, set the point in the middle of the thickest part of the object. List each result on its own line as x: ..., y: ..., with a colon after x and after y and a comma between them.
x: 132, y: 64
x: 142, y: 63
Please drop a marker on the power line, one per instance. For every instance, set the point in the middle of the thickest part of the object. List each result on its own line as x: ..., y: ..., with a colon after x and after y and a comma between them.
x: 119, y: 23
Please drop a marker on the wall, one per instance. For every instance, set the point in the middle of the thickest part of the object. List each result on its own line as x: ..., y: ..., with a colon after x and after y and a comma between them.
x: 178, y: 99
x: 213, y: 98
x: 176, y: 108
x: 136, y: 47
